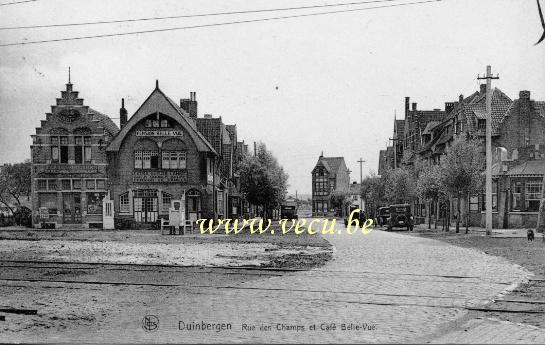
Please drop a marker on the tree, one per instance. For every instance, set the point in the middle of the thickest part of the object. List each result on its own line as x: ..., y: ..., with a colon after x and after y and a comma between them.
x: 262, y: 180
x: 339, y: 200
x: 373, y: 192
x: 14, y: 184
x: 462, y: 170
x: 430, y: 187
x: 400, y: 186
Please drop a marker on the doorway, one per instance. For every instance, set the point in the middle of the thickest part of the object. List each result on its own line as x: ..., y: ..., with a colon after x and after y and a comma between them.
x: 71, y: 208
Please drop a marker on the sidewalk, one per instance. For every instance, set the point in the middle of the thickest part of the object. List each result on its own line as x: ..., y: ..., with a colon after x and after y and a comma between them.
x: 493, y: 331
x: 507, y: 233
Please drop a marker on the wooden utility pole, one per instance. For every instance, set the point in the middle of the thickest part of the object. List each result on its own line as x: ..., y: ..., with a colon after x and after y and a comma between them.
x: 488, y: 203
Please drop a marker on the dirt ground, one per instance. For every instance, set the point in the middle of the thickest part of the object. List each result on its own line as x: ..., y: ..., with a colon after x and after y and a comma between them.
x: 150, y: 247
x: 526, y: 304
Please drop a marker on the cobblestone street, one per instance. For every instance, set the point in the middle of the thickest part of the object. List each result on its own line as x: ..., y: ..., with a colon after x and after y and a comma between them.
x: 401, y: 288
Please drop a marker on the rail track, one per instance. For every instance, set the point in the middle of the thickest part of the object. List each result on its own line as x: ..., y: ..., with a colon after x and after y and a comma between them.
x: 251, y: 270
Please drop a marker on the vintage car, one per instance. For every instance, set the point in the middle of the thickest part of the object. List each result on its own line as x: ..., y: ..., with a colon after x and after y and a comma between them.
x: 400, y: 217
x: 383, y: 215
x: 360, y: 216
x: 288, y: 210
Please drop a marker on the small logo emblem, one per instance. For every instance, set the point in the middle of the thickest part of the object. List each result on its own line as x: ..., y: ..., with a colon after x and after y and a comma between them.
x: 150, y: 323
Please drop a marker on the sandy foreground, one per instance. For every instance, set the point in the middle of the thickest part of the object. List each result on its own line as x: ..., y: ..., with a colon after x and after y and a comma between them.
x: 182, y: 254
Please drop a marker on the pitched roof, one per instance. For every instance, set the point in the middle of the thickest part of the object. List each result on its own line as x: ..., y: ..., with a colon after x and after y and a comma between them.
x: 105, y: 121
x: 430, y: 126
x: 331, y: 164
x: 477, y: 109
x: 157, y: 100
x: 533, y: 167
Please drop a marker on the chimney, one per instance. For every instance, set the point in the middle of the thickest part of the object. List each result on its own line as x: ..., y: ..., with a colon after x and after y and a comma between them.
x: 414, y: 106
x: 483, y: 89
x: 122, y: 114
x: 190, y: 104
x: 461, y: 98
x: 449, y: 106
x: 207, y: 116
x: 524, y: 94
x: 407, y: 102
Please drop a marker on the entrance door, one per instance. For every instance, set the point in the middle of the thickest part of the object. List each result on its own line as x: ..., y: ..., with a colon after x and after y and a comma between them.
x: 146, y: 206
x: 71, y: 208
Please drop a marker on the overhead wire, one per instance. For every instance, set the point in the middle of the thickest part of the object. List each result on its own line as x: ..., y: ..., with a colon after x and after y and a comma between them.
x: 215, y: 24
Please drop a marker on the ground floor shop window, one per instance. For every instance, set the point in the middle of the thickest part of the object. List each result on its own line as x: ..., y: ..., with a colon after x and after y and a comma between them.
x: 49, y: 200
x: 94, y: 203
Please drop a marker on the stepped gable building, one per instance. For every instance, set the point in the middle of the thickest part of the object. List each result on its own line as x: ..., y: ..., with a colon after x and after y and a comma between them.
x: 69, y: 164
x: 158, y: 156
x: 328, y: 176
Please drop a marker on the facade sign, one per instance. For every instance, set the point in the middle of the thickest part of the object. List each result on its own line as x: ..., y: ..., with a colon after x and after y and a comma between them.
x: 70, y: 169
x: 160, y: 176
x: 159, y: 133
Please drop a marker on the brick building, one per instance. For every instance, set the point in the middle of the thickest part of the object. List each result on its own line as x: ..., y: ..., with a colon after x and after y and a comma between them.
x: 328, y: 176
x: 69, y: 164
x: 159, y: 156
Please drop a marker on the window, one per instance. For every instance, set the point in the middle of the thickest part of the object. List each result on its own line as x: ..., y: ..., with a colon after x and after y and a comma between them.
x: 94, y: 203
x: 76, y: 184
x: 63, y: 149
x: 474, y: 203
x: 138, y: 160
x: 42, y: 184
x: 532, y: 196
x: 220, y: 202
x: 516, y: 192
x: 148, y: 123
x: 82, y: 149
x: 101, y: 184
x: 52, y: 184
x: 174, y: 160
x: 59, y: 149
x: 49, y: 200
x: 321, y: 186
x: 150, y: 160
x: 167, y: 198
x: 164, y: 123
x: 481, y: 124
x: 124, y: 203
x: 66, y: 184
x: 90, y: 184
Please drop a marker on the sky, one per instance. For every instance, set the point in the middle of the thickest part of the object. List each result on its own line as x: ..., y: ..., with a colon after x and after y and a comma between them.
x: 330, y: 83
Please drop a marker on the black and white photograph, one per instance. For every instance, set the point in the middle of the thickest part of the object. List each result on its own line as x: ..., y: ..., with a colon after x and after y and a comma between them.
x: 272, y: 171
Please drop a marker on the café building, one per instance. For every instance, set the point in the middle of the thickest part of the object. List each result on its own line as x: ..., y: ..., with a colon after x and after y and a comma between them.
x: 157, y: 157
x: 69, y: 176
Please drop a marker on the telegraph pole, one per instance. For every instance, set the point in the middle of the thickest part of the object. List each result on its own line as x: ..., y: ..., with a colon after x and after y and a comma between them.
x: 488, y: 203
x: 361, y: 161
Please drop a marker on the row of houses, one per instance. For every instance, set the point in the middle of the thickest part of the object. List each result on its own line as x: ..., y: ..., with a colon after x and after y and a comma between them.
x: 518, y: 142
x: 165, y: 151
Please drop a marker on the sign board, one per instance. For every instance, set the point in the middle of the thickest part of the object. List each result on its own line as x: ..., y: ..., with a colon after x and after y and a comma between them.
x: 159, y: 133
x: 160, y: 176
x: 70, y: 169
x: 44, y: 213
